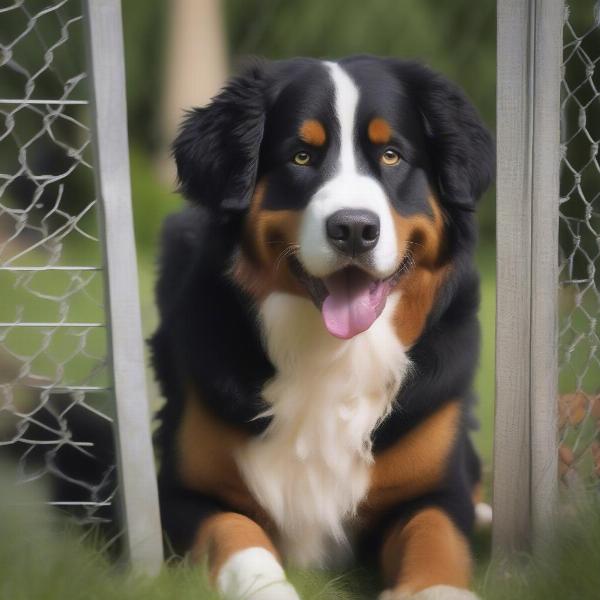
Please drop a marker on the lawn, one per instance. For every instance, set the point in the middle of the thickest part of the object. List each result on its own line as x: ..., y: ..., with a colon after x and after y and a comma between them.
x: 41, y: 559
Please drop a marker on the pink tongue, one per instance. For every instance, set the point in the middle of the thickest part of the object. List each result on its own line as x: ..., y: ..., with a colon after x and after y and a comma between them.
x: 353, y: 303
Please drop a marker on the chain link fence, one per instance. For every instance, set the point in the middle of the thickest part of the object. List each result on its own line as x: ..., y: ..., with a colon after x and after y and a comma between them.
x: 579, y: 238
x: 53, y: 346
x: 73, y: 407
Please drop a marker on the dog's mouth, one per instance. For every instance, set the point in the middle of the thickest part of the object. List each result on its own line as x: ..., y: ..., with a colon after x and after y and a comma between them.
x: 351, y: 299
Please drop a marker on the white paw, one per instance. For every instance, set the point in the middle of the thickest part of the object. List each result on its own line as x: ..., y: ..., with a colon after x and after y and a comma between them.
x: 483, y: 515
x: 437, y: 592
x: 254, y: 574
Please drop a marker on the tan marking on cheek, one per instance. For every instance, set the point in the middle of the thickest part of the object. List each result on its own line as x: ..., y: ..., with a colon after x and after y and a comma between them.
x: 419, y: 288
x: 379, y: 131
x: 248, y: 276
x: 224, y: 534
x: 277, y: 234
x: 269, y: 238
x: 312, y: 132
x: 250, y: 234
x: 422, y: 237
x: 414, y: 465
x: 427, y: 550
x: 206, y: 447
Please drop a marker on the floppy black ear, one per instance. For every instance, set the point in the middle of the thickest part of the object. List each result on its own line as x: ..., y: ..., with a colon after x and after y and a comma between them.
x: 216, y: 150
x: 461, y: 148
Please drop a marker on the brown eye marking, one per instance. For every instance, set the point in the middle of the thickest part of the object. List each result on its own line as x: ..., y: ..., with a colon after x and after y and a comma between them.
x: 379, y: 131
x: 312, y: 132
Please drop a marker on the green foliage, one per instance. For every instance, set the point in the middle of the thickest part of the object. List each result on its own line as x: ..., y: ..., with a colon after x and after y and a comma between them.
x: 458, y: 38
x: 485, y: 380
x: 152, y: 201
x: 144, y: 35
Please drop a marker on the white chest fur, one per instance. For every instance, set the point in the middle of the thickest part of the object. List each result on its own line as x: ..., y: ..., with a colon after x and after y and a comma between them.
x: 311, y: 467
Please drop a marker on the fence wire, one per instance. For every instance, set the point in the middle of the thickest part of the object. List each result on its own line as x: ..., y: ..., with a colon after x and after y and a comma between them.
x: 55, y: 399
x: 579, y: 324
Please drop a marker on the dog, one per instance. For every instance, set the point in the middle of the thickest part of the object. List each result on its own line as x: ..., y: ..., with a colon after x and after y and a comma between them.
x: 318, y: 330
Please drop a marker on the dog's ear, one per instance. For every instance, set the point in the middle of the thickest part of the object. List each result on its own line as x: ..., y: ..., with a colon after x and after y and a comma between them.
x: 217, y: 148
x: 460, y: 146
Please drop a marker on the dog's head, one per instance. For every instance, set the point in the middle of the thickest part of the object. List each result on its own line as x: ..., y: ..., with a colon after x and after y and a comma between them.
x: 344, y: 175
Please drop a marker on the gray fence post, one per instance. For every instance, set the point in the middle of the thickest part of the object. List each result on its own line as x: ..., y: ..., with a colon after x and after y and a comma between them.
x: 136, y: 464
x: 528, y: 126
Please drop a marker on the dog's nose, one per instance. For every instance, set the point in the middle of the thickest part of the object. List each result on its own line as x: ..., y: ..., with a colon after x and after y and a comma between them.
x: 353, y: 231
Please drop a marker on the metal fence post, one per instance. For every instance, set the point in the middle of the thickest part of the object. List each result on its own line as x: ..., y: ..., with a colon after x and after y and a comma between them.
x: 544, y: 267
x: 528, y: 125
x: 136, y: 465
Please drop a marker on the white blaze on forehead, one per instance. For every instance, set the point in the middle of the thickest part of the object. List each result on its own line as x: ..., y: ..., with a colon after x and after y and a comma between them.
x: 347, y: 188
x: 346, y: 102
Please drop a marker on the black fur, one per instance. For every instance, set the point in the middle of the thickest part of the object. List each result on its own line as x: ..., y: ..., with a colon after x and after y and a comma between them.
x: 217, y: 148
x: 208, y: 334
x: 460, y: 147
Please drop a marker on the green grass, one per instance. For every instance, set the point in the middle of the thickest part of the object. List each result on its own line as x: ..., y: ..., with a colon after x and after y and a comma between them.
x: 42, y: 559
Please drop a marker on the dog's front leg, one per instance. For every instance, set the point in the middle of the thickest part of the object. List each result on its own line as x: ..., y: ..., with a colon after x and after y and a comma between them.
x: 426, y: 558
x: 242, y: 561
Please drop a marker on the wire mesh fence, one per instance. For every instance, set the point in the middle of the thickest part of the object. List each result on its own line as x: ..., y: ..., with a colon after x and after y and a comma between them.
x: 579, y: 237
x: 53, y: 339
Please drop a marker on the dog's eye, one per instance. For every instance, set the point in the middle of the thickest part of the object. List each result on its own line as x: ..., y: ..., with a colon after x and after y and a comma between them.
x: 302, y: 158
x: 390, y: 158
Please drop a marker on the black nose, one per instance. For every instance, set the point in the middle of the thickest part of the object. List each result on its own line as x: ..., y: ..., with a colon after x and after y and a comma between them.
x: 353, y: 231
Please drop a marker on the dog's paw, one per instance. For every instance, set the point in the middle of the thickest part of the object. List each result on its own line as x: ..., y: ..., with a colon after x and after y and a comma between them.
x: 483, y: 515
x: 437, y: 592
x: 254, y: 574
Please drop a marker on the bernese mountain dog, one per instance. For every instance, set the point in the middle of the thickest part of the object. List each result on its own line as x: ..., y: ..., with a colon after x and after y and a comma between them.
x: 318, y: 328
